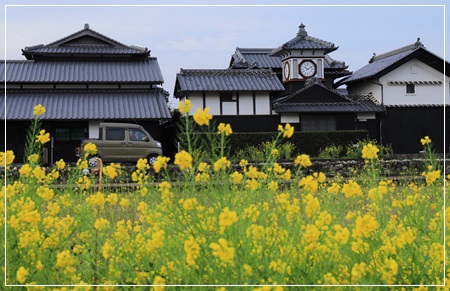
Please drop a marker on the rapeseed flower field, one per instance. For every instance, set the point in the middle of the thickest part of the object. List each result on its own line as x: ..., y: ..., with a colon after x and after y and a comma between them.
x: 220, y: 224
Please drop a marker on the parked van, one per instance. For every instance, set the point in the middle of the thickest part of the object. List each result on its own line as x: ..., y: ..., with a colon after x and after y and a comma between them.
x: 124, y: 142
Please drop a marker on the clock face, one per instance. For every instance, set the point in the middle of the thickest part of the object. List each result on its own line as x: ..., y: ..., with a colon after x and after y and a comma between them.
x: 307, y: 69
x: 287, y: 71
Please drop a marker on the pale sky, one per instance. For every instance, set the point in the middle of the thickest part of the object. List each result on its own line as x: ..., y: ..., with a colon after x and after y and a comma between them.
x: 205, y: 37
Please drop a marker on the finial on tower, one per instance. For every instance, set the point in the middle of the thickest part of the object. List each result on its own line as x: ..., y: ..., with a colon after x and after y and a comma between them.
x: 86, y: 26
x: 302, y: 32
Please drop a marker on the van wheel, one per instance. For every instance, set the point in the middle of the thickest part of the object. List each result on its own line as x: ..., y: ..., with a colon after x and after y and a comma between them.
x: 152, y: 159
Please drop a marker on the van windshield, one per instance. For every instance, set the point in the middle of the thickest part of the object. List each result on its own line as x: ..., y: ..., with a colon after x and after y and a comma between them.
x: 137, y: 134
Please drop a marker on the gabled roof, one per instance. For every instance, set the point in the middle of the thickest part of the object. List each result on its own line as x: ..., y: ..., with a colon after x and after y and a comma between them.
x: 227, y: 80
x: 76, y: 104
x: 85, y: 42
x: 137, y: 71
x: 304, y: 41
x: 380, y: 65
x: 316, y: 97
x: 261, y: 57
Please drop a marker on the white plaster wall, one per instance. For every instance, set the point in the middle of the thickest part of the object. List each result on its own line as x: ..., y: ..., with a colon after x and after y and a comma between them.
x: 262, y: 103
x: 196, y: 102
x: 414, y: 70
x: 229, y: 108
x: 289, y: 118
x: 94, y: 126
x: 213, y: 102
x: 245, y: 103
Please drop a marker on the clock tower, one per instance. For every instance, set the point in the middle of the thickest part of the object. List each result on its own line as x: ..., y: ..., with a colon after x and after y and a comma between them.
x: 302, y: 58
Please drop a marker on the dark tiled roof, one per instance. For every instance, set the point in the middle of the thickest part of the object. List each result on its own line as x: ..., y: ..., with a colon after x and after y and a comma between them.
x: 380, y: 64
x: 146, y: 70
x: 246, y: 57
x: 85, y: 41
x: 86, y: 104
x: 357, y: 106
x: 228, y: 80
x: 304, y: 41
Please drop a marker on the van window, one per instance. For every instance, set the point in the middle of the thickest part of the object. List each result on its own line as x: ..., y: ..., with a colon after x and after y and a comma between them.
x: 137, y: 134
x: 115, y: 133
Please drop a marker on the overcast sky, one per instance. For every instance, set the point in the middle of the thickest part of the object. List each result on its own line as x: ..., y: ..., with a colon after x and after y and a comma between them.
x: 202, y: 37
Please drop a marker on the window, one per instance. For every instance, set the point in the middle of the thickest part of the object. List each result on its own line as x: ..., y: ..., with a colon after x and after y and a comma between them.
x: 137, y: 135
x: 318, y: 122
x: 410, y: 89
x: 115, y: 133
x: 68, y: 134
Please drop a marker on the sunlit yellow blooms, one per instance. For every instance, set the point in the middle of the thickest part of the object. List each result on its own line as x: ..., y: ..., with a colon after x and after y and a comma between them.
x: 158, y: 283
x: 223, y: 251
x: 184, y: 106
x: 432, y: 176
x: 226, y: 219
x: 60, y: 164
x: 351, y: 188
x: 45, y: 193
x: 334, y: 188
x: 64, y: 259
x: 243, y: 163
x: 202, y: 117
x: 101, y: 224
x: 312, y: 205
x: 287, y: 131
x: 203, y: 167
x: 360, y: 247
x: 192, y: 249
x: 311, y: 233
x: 222, y: 164
x: 33, y: 158
x: 189, y: 204
x: 252, y: 212
x: 274, y: 152
x: 124, y: 202
x: 107, y: 249
x: 341, y: 234
x: 112, y: 199
x: 39, y: 173
x: 112, y: 170
x: 358, y: 271
x: 389, y: 270
x: 236, y: 177
x: 365, y: 226
x: 90, y: 149
x: 43, y: 137
x: 160, y: 163
x: 320, y: 177
x: 21, y: 274
x: 273, y: 186
x: 25, y: 170
x: 53, y: 208
x: 248, y: 270
x: 370, y: 152
x: 252, y: 172
x: 280, y: 267
x: 6, y: 158
x: 202, y: 177
x: 38, y: 110
x: 303, y: 160
x: 425, y: 140
x: 225, y: 129
x: 97, y: 199
x: 378, y: 192
x: 251, y: 185
x: 309, y: 184
x: 184, y: 160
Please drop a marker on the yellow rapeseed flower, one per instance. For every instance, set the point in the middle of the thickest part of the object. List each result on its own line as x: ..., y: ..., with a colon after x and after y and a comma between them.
x: 227, y: 218
x: 303, y: 160
x: 370, y: 152
x: 7, y: 158
x: 22, y: 274
x: 202, y: 117
x: 60, y: 164
x: 160, y: 163
x: 425, y: 140
x: 25, y: 170
x: 287, y: 130
x: 43, y: 137
x: 90, y: 149
x: 183, y: 159
x: 236, y: 177
x: 224, y: 128
x: 192, y: 249
x: 223, y: 251
x: 184, y: 106
x: 432, y: 176
x: 351, y: 188
x: 221, y: 164
x: 101, y: 224
x: 38, y: 110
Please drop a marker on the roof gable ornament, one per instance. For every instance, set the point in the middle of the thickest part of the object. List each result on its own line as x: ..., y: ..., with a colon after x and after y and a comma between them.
x: 302, y: 32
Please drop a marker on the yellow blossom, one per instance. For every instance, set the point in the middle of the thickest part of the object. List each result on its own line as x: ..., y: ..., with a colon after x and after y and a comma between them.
x: 227, y: 218
x: 192, y: 249
x: 432, y: 176
x: 303, y: 160
x: 45, y: 193
x: 222, y: 164
x: 203, y: 167
x: 101, y: 224
x: 22, y: 274
x: 273, y: 186
x: 7, y: 158
x: 43, y: 137
x: 183, y: 159
x: 351, y: 188
x: 90, y: 149
x: 60, y: 164
x: 184, y: 106
x: 107, y: 249
x: 287, y: 131
x: 251, y: 185
x: 236, y: 177
x: 425, y: 140
x: 202, y: 117
x: 365, y: 226
x: 159, y: 283
x: 64, y: 259
x: 25, y: 170
x: 224, y: 128
x: 244, y: 163
x: 38, y: 110
x: 160, y: 163
x: 223, y: 251
x: 370, y: 152
x: 33, y: 158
